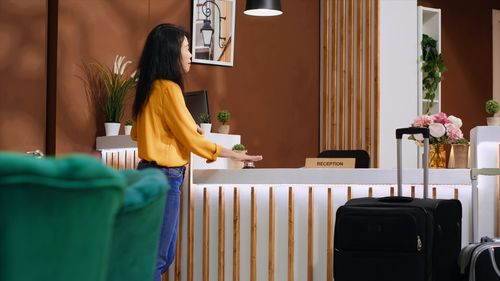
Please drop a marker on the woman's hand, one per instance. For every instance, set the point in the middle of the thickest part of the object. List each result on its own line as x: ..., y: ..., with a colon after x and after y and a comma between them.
x: 199, y: 130
x: 247, y: 158
x: 228, y: 153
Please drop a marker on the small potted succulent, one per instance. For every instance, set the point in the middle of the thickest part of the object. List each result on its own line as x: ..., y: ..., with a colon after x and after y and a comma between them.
x: 223, y: 117
x: 128, y: 126
x: 238, y: 148
x: 492, y: 107
x: 205, y: 123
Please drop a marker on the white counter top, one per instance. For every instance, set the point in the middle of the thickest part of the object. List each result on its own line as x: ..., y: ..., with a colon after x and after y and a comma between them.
x: 329, y: 176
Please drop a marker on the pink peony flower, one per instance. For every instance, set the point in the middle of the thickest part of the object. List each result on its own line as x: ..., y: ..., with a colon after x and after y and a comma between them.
x: 440, y: 117
x: 422, y: 121
x: 437, y: 130
x: 455, y: 120
x: 454, y: 133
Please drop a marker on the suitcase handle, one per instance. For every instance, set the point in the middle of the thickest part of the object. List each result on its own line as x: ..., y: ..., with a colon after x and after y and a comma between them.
x: 399, y: 135
x: 412, y: 131
x: 396, y: 199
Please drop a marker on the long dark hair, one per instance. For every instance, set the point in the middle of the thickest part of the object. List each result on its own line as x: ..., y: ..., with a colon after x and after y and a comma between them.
x: 160, y: 59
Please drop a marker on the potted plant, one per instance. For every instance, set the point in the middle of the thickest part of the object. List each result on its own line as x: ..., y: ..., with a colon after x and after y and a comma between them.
x: 205, y: 123
x: 432, y: 70
x: 128, y: 126
x: 492, y: 107
x: 238, y: 148
x: 108, y: 88
x: 223, y: 117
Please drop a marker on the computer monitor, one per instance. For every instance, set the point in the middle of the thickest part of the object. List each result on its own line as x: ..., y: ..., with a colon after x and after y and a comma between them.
x: 197, y: 103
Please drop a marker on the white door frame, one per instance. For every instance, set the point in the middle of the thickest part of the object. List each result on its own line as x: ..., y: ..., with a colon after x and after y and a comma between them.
x: 496, y: 54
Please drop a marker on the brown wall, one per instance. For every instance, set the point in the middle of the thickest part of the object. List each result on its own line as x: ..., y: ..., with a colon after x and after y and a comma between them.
x: 22, y: 75
x: 272, y: 90
x: 466, y: 34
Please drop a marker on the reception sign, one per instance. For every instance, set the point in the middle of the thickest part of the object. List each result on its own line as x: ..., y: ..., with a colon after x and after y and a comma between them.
x: 330, y: 162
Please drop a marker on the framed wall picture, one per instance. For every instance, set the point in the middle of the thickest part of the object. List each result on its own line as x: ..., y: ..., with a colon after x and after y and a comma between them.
x: 213, y: 32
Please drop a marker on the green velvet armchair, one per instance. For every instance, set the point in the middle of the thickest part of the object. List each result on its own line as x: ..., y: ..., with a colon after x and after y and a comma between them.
x: 56, y: 217
x: 72, y: 218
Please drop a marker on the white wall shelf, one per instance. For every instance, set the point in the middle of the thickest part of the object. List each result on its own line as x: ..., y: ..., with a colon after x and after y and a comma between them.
x: 429, y: 22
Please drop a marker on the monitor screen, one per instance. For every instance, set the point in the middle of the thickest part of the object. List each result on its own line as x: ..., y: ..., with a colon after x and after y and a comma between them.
x: 197, y: 103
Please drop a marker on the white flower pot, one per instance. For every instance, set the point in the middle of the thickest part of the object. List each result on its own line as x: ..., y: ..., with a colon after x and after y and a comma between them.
x: 128, y: 128
x: 112, y: 129
x: 493, y: 121
x: 206, y: 127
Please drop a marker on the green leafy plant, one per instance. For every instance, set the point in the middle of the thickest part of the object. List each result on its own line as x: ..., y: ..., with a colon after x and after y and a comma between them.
x: 204, y: 118
x: 239, y: 147
x: 492, y: 107
x: 432, y: 68
x: 223, y: 116
x: 109, y: 87
x: 129, y: 122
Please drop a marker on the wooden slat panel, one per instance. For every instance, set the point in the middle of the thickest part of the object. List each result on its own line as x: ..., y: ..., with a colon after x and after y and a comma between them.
x: 222, y: 232
x: 359, y: 75
x: 342, y: 65
x: 206, y: 234
x: 370, y: 192
x: 412, y: 191
x: 350, y: 77
x: 329, y: 237
x: 136, y: 158
x: 190, y: 230
x: 253, y: 236
x: 368, y: 74
x: 115, y: 158
x: 434, y: 193
x: 121, y: 159
x: 310, y: 237
x: 178, y: 250
x: 376, y: 98
x: 109, y: 158
x: 455, y: 195
x: 291, y: 235
x: 271, y: 248
x: 334, y: 77
x: 326, y: 72
x: 127, y: 160
x: 236, y: 235
x: 349, y: 193
x: 392, y: 191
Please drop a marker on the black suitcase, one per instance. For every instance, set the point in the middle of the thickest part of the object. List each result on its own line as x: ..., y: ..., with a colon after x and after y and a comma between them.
x: 398, y: 238
x: 480, y: 261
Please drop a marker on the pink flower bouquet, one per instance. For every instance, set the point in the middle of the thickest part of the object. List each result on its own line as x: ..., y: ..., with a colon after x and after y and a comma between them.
x: 443, y: 129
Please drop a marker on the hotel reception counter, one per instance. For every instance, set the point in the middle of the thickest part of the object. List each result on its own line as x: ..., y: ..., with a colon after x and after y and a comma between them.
x: 259, y: 223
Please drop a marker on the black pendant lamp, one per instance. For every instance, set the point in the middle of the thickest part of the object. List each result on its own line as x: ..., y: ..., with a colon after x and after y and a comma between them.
x: 263, y: 8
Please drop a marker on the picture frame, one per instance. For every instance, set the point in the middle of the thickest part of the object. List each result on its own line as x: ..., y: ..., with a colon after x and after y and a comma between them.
x: 212, y: 32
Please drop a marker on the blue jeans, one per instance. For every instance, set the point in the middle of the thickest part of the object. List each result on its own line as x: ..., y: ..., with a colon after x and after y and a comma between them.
x: 168, y: 232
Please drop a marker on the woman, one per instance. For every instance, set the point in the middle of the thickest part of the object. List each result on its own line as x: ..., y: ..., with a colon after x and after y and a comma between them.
x: 165, y: 131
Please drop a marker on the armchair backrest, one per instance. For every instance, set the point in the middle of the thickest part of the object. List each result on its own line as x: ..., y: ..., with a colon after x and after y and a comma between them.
x: 56, y: 217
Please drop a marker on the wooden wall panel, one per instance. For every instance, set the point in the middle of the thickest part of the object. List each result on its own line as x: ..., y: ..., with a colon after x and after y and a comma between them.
x: 350, y: 88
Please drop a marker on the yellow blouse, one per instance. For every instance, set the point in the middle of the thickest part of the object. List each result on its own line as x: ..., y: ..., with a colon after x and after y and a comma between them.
x: 165, y: 130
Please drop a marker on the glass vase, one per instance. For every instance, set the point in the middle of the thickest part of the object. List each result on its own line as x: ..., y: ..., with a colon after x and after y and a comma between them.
x: 437, y: 156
